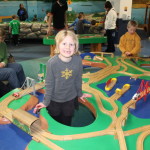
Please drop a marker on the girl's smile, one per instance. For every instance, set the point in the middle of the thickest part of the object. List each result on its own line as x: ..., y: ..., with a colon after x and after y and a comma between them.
x: 67, y: 48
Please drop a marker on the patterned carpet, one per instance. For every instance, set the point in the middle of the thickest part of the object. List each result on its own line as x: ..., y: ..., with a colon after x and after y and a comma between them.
x: 32, y: 67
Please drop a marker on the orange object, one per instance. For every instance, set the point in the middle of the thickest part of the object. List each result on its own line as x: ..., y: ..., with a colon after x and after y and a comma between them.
x: 93, y: 64
x: 125, y: 8
x: 69, y: 2
x: 4, y: 17
x: 110, y: 84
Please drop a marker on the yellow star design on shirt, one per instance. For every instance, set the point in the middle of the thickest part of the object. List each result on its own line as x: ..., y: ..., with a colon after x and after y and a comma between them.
x: 67, y: 73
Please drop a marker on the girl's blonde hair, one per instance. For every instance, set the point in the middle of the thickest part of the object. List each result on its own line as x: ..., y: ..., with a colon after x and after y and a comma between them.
x: 60, y: 37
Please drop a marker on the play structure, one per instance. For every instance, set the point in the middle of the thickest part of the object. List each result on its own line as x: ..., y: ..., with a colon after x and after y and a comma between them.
x: 122, y: 115
x: 94, y: 39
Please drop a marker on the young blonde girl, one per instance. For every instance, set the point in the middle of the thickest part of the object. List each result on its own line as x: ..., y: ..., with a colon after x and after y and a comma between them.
x: 63, y: 79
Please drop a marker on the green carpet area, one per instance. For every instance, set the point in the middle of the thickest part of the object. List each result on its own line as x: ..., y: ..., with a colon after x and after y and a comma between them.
x: 32, y: 67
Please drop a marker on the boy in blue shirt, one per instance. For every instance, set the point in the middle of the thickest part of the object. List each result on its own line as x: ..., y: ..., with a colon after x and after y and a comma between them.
x: 76, y: 20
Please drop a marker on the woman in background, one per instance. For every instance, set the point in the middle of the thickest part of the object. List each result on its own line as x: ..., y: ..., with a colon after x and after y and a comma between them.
x: 22, y: 13
x: 110, y: 26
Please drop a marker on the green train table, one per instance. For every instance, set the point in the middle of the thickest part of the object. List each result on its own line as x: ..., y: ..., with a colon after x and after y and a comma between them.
x: 94, y: 39
x: 122, y: 114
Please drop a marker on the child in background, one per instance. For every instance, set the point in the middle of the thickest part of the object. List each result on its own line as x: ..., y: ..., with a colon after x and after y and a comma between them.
x: 76, y: 20
x: 80, y: 30
x: 80, y: 25
x: 35, y: 18
x: 63, y: 79
x: 14, y: 28
x: 95, y: 29
x: 130, y: 42
x: 12, y: 72
x: 46, y: 18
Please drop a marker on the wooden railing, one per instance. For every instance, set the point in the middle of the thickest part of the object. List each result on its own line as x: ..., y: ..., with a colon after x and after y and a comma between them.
x: 4, y: 17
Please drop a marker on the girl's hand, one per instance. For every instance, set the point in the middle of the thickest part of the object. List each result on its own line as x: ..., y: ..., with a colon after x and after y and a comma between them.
x: 38, y: 106
x: 2, y: 65
x: 85, y: 95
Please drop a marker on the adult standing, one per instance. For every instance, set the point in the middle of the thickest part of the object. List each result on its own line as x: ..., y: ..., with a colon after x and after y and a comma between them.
x: 22, y: 13
x: 58, y: 17
x: 110, y: 26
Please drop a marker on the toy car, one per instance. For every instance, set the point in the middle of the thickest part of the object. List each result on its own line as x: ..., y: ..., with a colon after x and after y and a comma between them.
x: 16, y: 94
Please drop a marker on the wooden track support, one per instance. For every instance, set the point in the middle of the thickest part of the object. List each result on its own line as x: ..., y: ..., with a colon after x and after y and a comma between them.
x: 103, y: 53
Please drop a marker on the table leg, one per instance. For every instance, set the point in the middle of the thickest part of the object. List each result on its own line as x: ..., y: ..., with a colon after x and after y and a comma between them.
x: 52, y: 50
x: 99, y: 47
x: 96, y: 47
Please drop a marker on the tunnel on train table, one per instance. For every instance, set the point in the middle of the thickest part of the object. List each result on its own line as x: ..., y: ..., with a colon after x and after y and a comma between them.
x: 26, y: 121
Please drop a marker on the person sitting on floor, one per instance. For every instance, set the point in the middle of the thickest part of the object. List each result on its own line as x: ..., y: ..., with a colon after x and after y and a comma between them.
x: 12, y: 72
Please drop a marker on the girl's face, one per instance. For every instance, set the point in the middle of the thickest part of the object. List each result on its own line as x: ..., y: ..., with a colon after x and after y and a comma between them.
x: 67, y: 47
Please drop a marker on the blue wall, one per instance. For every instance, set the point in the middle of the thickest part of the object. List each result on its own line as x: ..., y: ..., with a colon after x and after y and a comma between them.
x: 33, y: 7
x: 7, y: 8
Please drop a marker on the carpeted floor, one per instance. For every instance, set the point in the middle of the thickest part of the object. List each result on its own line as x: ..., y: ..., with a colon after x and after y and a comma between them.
x: 32, y: 67
x: 28, y: 50
x: 30, y: 53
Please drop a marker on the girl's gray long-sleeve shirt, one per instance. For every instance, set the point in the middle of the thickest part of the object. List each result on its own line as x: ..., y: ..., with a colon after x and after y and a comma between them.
x: 63, y: 79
